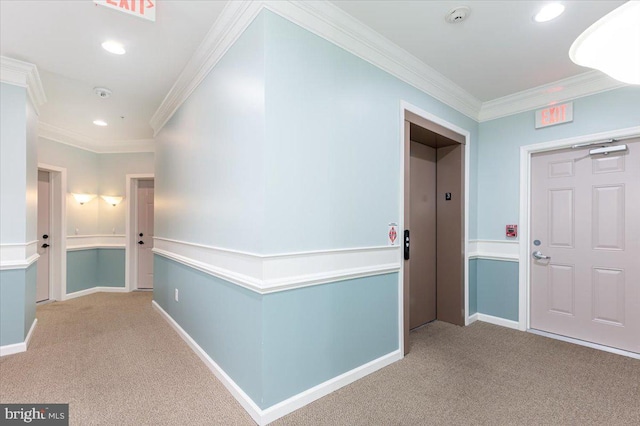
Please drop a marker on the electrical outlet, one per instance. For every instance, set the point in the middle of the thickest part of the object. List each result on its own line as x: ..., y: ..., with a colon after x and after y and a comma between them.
x: 176, y: 295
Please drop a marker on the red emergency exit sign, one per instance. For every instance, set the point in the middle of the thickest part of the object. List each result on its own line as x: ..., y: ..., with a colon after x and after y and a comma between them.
x: 141, y: 8
x: 555, y: 114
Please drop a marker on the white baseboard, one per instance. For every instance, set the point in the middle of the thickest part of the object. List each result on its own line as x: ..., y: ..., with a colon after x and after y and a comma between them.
x: 268, y: 415
x: 94, y: 290
x: 19, y: 347
x: 247, y: 403
x: 30, y: 333
x: 472, y: 318
x: 300, y: 400
x: 498, y: 321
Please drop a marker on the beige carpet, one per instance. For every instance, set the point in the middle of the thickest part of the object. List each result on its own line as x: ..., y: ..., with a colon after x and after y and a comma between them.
x: 116, y: 361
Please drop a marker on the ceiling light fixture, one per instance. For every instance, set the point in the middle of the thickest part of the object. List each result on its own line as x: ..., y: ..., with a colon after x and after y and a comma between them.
x: 549, y: 12
x: 100, y: 123
x: 612, y: 44
x: 114, y: 47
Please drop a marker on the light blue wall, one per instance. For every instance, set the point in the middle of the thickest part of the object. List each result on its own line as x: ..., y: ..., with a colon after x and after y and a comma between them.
x: 18, y: 208
x: 82, y: 268
x: 501, y: 139
x: 30, y: 283
x: 13, y: 164
x: 313, y: 334
x: 17, y: 304
x: 110, y: 271
x: 209, y: 156
x: 289, y: 144
x: 31, y: 171
x: 95, y: 268
x: 473, y: 286
x: 12, y: 306
x: 223, y: 318
x: 497, y: 287
x: 277, y: 345
x: 332, y: 157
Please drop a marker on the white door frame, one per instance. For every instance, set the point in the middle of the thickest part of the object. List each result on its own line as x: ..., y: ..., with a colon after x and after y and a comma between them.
x: 57, y: 230
x: 525, y: 203
x: 131, y: 260
x: 405, y: 106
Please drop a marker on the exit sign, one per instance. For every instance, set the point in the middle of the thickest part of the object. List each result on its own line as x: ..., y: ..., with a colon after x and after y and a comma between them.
x: 556, y: 114
x: 141, y: 8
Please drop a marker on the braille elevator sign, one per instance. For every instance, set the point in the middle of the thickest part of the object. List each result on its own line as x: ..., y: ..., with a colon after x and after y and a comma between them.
x: 555, y: 114
x: 141, y: 8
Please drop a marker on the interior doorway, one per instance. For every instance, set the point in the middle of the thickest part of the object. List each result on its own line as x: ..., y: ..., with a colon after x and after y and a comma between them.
x: 139, y: 232
x: 44, y: 220
x: 144, y: 231
x: 434, y: 271
x: 52, y: 230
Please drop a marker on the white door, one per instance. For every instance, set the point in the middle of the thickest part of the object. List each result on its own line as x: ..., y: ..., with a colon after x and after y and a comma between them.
x: 585, y: 215
x: 44, y: 239
x: 145, y: 234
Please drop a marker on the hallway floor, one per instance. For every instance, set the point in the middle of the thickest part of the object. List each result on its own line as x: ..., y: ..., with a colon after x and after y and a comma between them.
x: 116, y: 361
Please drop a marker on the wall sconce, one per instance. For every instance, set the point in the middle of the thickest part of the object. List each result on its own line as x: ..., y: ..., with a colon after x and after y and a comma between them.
x: 113, y: 200
x: 83, y: 198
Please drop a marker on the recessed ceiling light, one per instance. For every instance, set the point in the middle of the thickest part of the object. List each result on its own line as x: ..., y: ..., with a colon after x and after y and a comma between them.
x: 101, y: 123
x: 549, y: 12
x: 114, y: 47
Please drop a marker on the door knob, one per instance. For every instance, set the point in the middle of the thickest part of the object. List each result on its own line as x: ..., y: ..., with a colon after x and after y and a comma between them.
x: 45, y: 245
x: 140, y: 242
x: 539, y: 256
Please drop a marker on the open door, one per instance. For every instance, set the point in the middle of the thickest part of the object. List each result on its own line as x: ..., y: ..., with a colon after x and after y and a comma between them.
x: 434, y: 218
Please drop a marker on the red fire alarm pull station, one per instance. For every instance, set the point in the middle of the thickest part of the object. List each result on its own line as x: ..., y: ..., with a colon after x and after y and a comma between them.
x: 512, y: 231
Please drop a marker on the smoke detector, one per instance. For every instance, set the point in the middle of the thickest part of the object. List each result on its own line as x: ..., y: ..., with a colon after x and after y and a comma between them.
x: 102, y: 92
x: 458, y: 14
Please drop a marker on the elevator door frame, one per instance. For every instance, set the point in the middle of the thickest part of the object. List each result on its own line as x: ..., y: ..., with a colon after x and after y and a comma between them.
x: 404, y: 152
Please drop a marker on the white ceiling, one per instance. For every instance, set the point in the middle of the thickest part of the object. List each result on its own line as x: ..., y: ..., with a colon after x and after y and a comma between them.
x: 497, y: 51
x: 63, y: 38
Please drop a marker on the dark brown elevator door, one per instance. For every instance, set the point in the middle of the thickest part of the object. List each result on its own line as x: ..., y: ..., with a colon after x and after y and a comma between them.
x: 422, y: 287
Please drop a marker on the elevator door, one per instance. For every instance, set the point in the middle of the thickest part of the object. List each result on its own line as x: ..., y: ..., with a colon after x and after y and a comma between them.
x: 423, y: 235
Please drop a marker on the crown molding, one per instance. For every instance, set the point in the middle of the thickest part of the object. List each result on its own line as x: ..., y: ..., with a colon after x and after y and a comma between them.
x: 335, y: 25
x: 23, y: 74
x: 338, y: 27
x: 77, y: 140
x: 588, y: 83
x: 233, y: 20
x: 327, y: 21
